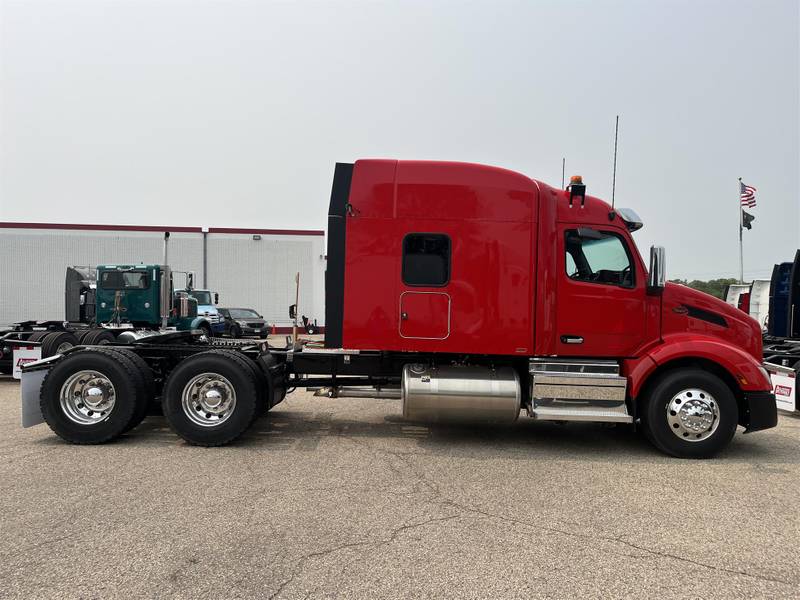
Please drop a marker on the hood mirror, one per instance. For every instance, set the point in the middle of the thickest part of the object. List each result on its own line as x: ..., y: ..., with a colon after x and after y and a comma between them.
x: 632, y: 221
x: 657, y: 276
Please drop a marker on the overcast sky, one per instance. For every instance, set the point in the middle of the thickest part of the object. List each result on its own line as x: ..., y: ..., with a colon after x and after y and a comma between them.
x: 233, y: 113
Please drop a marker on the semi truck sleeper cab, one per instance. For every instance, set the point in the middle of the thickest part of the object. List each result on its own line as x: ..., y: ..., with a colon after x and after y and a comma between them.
x: 471, y: 293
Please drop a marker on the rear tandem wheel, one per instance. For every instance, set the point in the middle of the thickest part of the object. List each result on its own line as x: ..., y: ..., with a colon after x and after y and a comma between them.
x: 92, y: 396
x: 212, y: 398
x: 57, y: 342
x: 99, y: 337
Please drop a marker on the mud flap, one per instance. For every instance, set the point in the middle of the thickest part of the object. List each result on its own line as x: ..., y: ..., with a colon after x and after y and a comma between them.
x: 30, y: 390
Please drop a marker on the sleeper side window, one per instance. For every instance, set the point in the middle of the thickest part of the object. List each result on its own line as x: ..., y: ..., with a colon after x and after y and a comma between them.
x: 426, y: 259
x: 598, y: 257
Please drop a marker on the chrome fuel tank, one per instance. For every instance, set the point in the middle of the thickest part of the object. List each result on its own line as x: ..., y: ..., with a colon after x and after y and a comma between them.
x: 460, y: 393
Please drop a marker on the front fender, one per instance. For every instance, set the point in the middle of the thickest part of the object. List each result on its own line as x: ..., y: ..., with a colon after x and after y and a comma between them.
x: 186, y: 324
x: 199, y: 321
x: 745, y: 369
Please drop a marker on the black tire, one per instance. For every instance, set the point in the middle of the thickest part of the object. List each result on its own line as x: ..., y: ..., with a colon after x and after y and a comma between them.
x: 206, y: 329
x: 99, y: 337
x: 655, y: 416
x: 245, y: 386
x: 81, y: 334
x: 118, y: 370
x: 37, y: 336
x: 145, y: 380
x: 259, y: 378
x: 57, y: 341
x: 236, y: 331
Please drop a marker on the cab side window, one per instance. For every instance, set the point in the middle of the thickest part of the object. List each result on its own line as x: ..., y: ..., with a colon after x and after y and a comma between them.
x: 598, y: 257
x: 426, y: 259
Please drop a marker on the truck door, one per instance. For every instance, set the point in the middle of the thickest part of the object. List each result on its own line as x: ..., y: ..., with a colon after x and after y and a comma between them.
x: 425, y: 303
x: 601, y: 294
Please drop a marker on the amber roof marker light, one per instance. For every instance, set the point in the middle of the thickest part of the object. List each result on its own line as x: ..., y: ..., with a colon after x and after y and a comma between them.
x: 576, y: 189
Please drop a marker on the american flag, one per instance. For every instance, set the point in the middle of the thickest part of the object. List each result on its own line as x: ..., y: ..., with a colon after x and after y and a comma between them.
x: 747, y: 195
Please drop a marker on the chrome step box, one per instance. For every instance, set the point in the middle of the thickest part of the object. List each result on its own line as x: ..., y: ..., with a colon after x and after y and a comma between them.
x: 579, y: 386
x: 578, y: 390
x: 617, y: 414
x: 573, y: 365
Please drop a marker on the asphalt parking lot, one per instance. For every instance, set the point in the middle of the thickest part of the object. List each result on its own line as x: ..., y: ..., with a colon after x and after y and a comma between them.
x: 341, y: 498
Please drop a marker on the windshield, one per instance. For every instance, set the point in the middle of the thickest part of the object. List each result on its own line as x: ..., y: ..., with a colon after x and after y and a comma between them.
x: 201, y: 297
x: 244, y: 313
x: 123, y: 280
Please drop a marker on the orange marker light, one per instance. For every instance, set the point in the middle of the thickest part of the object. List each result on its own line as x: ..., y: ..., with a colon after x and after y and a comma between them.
x: 576, y: 179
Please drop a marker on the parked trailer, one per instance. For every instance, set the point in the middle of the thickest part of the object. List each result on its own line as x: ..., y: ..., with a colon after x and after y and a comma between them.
x: 759, y: 302
x: 775, y: 305
x: 782, y: 342
x: 471, y: 293
x: 734, y: 291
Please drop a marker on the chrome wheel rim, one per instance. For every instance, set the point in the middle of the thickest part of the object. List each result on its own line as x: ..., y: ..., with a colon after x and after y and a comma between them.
x: 87, y: 397
x: 208, y: 400
x: 693, y: 415
x: 63, y: 347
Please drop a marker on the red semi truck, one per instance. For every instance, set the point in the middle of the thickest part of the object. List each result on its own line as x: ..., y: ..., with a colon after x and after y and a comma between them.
x: 470, y: 293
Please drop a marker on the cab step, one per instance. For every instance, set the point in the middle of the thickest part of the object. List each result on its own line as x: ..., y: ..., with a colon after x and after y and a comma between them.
x: 577, y: 390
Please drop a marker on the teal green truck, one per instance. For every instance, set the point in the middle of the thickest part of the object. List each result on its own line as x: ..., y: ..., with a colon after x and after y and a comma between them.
x: 116, y: 303
x: 142, y: 296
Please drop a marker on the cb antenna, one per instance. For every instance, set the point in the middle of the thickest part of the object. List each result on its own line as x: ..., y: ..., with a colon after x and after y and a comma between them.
x: 563, y: 168
x: 614, y: 176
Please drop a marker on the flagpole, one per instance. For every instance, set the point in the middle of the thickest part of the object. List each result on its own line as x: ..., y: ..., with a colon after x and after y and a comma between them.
x: 741, y: 250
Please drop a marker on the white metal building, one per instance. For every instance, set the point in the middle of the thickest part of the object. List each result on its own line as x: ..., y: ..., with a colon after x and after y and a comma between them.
x: 252, y: 268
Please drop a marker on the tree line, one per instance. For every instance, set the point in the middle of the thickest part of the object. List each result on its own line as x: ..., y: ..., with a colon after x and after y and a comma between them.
x: 715, y: 287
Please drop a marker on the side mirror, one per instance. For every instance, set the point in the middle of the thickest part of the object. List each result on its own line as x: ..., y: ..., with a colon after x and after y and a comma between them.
x: 190, y: 280
x: 293, y: 311
x: 216, y: 297
x: 657, y: 276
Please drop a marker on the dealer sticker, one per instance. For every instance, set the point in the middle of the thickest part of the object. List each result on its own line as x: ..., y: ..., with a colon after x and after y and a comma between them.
x: 784, y: 386
x: 24, y: 355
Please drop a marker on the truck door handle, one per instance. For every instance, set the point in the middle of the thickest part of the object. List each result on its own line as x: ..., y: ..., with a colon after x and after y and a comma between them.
x: 571, y: 339
x: 404, y: 316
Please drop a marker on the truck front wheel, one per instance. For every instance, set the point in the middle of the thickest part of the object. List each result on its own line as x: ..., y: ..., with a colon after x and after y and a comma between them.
x: 211, y: 398
x: 690, y: 413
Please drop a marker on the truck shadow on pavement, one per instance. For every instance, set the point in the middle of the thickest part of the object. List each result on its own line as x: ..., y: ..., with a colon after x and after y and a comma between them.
x: 306, y: 431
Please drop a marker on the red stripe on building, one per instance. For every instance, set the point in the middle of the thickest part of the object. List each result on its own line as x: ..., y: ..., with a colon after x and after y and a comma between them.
x: 266, y: 231
x: 156, y: 228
